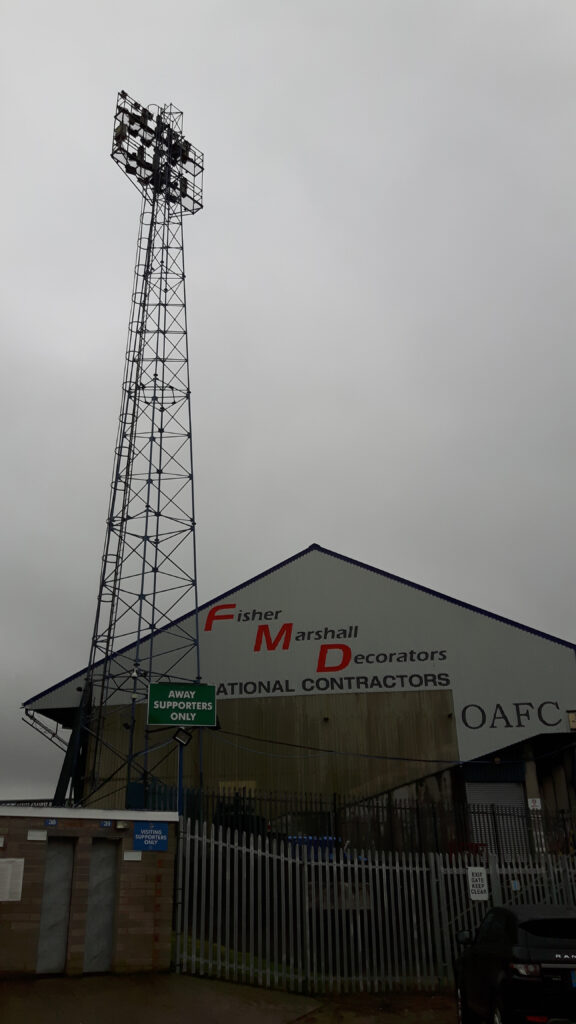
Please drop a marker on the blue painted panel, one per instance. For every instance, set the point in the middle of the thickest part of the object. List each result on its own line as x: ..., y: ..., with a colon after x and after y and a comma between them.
x: 150, y: 835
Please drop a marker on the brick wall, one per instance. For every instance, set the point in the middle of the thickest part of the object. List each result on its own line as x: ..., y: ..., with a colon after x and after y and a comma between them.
x: 144, y: 892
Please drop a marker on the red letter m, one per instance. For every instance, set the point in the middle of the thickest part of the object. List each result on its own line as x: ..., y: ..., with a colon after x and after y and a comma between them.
x: 263, y: 634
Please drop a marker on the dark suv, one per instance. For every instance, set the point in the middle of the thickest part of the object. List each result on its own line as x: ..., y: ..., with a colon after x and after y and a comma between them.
x: 520, y: 968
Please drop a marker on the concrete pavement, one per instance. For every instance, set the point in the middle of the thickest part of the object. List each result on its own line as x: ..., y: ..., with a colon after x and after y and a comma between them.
x: 179, y: 999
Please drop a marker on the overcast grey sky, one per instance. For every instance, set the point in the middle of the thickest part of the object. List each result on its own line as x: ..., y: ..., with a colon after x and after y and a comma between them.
x: 380, y: 292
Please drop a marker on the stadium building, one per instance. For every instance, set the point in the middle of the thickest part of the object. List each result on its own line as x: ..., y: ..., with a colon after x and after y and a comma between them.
x: 335, y: 677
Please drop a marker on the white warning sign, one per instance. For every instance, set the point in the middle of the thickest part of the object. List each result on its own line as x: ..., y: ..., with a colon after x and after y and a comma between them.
x: 478, y: 884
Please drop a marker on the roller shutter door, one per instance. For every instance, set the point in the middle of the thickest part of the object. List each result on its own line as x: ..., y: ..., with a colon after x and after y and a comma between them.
x: 497, y: 794
x: 498, y: 816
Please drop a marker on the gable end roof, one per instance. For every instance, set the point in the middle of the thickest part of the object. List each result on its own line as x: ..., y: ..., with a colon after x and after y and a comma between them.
x: 349, y: 561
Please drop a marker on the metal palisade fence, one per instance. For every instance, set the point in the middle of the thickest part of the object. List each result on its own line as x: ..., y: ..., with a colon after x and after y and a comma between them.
x: 378, y: 822
x: 300, y: 915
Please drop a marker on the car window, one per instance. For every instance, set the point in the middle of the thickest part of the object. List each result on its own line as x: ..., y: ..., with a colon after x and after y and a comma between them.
x: 549, y: 930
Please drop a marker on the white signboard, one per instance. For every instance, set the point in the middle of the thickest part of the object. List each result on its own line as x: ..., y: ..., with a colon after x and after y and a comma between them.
x: 534, y: 803
x: 11, y: 875
x: 478, y: 884
x: 323, y: 625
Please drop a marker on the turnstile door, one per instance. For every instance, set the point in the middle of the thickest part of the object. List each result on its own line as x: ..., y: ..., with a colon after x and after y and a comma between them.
x: 55, y: 912
x: 101, y: 909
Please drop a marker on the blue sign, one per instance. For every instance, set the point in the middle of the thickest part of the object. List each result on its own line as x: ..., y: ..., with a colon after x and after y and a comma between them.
x: 150, y: 835
x: 50, y: 822
x: 106, y: 823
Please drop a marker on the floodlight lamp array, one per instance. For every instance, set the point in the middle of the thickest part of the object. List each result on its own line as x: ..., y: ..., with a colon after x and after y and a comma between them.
x: 151, y: 149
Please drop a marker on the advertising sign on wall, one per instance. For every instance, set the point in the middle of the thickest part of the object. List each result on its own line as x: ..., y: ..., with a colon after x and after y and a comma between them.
x: 323, y: 625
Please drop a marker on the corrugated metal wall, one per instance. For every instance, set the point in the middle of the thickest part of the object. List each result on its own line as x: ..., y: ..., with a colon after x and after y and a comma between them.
x: 378, y: 742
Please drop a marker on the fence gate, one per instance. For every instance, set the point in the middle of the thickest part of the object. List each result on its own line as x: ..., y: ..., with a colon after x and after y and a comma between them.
x: 303, y: 916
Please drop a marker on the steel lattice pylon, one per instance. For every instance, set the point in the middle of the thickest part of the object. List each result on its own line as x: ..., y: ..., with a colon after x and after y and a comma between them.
x: 148, y: 575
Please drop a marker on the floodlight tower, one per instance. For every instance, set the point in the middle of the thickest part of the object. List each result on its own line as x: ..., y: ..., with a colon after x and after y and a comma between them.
x: 148, y: 574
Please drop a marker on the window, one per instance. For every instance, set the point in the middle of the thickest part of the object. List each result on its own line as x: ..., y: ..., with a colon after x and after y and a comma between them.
x: 552, y: 930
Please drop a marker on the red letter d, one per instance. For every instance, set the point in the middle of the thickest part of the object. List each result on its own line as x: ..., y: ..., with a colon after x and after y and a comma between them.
x: 345, y: 656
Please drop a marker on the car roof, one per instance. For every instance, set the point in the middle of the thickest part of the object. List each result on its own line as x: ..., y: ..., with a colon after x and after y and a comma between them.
x: 533, y: 911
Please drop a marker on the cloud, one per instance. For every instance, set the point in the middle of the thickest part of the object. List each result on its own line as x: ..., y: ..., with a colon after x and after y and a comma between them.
x: 380, y: 296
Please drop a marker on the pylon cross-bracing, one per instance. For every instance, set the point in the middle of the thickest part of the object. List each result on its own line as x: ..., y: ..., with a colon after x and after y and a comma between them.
x: 143, y: 629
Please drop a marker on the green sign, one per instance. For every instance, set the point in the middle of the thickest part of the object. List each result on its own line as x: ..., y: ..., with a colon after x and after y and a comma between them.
x: 184, y: 705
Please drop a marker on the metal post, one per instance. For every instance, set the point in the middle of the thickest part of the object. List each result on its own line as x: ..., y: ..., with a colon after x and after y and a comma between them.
x: 496, y: 889
x: 180, y: 779
x: 178, y: 901
x: 201, y: 772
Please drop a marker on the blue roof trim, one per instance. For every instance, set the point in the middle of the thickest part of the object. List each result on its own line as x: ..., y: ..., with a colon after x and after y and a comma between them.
x: 445, y: 597
x: 342, y: 558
